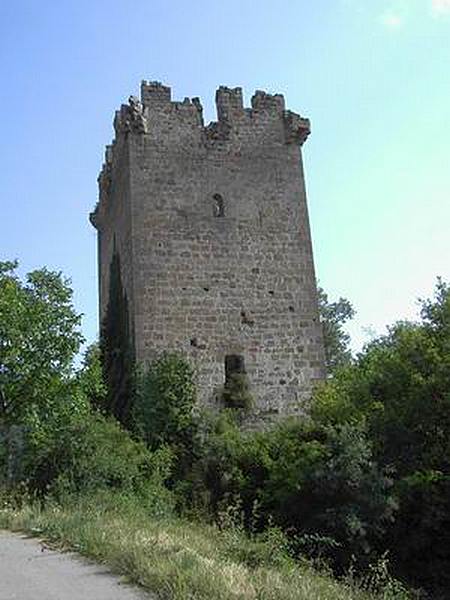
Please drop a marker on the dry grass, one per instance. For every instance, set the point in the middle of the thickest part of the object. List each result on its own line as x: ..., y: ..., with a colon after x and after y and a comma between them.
x: 175, y: 559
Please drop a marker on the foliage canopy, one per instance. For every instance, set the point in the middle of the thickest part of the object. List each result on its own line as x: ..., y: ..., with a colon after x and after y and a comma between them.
x: 39, y: 337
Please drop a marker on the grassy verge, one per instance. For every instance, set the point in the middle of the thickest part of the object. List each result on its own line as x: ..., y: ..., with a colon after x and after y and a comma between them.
x: 173, y: 558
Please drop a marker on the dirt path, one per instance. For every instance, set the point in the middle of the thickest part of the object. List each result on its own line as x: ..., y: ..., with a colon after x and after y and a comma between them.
x: 30, y: 571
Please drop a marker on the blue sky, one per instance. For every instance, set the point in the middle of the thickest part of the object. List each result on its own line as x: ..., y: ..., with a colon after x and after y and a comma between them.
x: 373, y: 77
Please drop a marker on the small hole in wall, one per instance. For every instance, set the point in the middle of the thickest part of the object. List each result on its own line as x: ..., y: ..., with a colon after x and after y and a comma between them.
x: 271, y: 292
x: 194, y: 342
x: 206, y: 289
x: 218, y: 206
x: 283, y: 381
x: 291, y: 309
x: 246, y: 320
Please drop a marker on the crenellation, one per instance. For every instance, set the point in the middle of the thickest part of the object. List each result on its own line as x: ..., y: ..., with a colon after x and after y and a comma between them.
x: 154, y: 93
x: 266, y: 121
x: 190, y: 111
x: 229, y: 103
x: 272, y: 103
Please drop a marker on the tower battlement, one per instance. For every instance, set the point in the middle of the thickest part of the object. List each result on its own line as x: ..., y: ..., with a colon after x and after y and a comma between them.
x: 156, y: 109
x: 154, y: 93
x: 210, y: 224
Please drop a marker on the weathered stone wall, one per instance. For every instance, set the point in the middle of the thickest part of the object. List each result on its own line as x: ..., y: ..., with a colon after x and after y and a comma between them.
x: 213, y: 226
x: 112, y: 218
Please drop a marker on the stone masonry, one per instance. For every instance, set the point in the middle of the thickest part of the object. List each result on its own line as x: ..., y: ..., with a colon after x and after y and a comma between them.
x: 211, y: 227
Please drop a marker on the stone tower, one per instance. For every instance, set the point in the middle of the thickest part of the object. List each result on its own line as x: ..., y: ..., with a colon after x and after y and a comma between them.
x: 210, y: 225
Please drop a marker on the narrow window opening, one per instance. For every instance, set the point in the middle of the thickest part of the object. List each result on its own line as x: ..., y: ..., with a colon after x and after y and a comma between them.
x: 236, y: 391
x: 218, y: 206
x: 234, y: 364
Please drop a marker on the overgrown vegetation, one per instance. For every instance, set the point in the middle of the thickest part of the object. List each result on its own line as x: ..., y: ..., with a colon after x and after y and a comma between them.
x: 361, y: 486
x: 178, y: 559
x: 319, y: 483
x: 236, y: 392
x: 399, y: 388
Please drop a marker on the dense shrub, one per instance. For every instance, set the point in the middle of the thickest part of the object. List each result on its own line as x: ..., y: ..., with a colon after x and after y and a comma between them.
x: 96, y: 452
x: 80, y: 451
x: 311, y: 480
x: 39, y: 338
x: 163, y: 412
x: 87, y: 453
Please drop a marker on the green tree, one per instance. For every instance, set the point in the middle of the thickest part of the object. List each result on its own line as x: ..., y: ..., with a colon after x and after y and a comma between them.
x: 39, y: 338
x: 400, y: 387
x: 90, y: 377
x: 333, y: 316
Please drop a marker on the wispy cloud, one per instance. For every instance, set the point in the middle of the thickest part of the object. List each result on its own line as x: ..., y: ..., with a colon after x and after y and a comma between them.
x: 440, y: 7
x: 391, y: 20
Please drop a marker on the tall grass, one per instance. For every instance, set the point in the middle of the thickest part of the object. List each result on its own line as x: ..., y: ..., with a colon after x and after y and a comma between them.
x: 173, y: 558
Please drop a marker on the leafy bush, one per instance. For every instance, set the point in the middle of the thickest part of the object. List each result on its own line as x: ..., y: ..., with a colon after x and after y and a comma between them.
x: 324, y: 481
x: 308, y: 479
x: 98, y: 453
x: 379, y: 581
x: 86, y: 452
x: 165, y: 399
x: 236, y: 392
